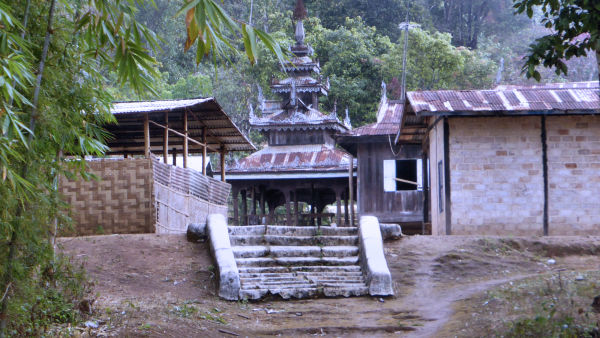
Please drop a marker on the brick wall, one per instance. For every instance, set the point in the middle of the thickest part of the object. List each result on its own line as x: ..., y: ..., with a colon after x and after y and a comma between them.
x: 573, y: 175
x: 121, y: 202
x: 496, y: 176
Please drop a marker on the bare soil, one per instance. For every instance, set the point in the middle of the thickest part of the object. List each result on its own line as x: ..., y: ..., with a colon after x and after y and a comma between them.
x: 163, y: 285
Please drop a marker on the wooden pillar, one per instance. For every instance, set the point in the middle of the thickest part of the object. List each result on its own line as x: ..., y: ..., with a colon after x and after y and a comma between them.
x: 244, y: 208
x: 174, y: 151
x: 346, y: 211
x: 313, y: 201
x: 185, y: 139
x: 253, y: 195
x: 296, y: 211
x: 236, y: 206
x: 204, y: 151
x: 338, y: 211
x: 351, y: 189
x: 146, y: 136
x: 288, y: 207
x: 166, y: 139
x: 223, y: 163
x: 262, y: 201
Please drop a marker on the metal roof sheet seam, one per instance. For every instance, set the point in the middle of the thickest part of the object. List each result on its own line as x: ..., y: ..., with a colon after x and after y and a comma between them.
x: 551, y: 97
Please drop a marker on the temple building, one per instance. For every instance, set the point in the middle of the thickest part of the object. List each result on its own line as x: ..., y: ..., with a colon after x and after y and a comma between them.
x: 300, y: 169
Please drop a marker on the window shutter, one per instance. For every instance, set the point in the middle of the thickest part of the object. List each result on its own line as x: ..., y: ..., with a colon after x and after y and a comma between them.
x: 420, y: 174
x: 389, y: 175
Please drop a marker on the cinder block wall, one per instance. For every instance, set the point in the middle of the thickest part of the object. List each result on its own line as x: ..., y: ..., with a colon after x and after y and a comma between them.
x: 573, y: 175
x: 496, y: 176
x: 121, y: 202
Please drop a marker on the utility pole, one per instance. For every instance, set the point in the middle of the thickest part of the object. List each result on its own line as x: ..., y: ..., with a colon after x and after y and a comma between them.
x: 406, y: 25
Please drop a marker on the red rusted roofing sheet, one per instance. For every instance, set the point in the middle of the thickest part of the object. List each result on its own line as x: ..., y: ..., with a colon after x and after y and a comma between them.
x: 389, y: 118
x: 297, y: 158
x: 543, y: 98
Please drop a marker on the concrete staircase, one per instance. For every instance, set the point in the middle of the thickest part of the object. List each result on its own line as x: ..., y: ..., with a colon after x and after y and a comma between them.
x: 297, y: 262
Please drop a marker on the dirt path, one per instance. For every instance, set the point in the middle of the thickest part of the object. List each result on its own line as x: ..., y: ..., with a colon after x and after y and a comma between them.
x: 150, y: 285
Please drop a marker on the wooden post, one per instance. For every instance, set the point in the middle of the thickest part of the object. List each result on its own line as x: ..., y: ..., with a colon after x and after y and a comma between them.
x: 296, y: 211
x: 262, y: 202
x: 313, y: 205
x: 253, y: 195
x: 185, y: 139
x: 244, y: 208
x: 146, y: 136
x: 166, y: 139
x: 236, y: 216
x: 223, y: 163
x: 288, y: 207
x: 338, y: 211
x: 174, y: 151
x: 351, y: 189
x: 346, y: 211
x: 204, y: 151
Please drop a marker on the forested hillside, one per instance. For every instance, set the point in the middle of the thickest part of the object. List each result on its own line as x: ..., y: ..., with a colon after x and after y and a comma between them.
x: 460, y: 44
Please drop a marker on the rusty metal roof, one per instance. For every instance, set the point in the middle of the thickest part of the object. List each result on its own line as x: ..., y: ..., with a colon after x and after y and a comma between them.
x: 551, y: 98
x: 389, y: 117
x: 293, y: 158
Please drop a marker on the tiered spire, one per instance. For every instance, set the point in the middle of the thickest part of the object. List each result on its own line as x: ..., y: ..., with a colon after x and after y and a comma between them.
x: 300, y: 91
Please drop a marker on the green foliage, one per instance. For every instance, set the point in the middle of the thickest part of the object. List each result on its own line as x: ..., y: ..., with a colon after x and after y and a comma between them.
x: 210, y: 27
x: 71, y: 50
x: 434, y: 63
x: 576, y: 31
x: 53, y: 299
x: 351, y: 57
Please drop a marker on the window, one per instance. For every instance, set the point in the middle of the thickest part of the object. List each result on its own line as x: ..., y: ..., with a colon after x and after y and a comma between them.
x: 441, y: 195
x: 399, y: 175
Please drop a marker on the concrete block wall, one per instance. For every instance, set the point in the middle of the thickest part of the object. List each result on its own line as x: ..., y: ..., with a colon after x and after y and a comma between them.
x: 573, y: 175
x: 496, y: 176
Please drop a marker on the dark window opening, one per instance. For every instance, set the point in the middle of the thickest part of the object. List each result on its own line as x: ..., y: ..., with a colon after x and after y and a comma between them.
x: 406, y: 175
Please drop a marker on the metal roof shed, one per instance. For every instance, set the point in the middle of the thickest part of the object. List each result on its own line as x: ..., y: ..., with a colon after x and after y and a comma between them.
x: 186, y: 126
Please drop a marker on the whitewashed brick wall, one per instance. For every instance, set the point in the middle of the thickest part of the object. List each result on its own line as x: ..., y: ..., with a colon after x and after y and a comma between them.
x: 574, y: 175
x: 496, y: 176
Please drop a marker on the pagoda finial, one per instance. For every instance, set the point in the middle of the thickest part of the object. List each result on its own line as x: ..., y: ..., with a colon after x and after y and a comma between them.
x: 300, y: 11
x: 347, y: 122
x: 299, y: 15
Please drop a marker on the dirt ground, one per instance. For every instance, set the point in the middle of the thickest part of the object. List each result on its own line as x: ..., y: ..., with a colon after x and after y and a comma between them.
x: 163, y: 285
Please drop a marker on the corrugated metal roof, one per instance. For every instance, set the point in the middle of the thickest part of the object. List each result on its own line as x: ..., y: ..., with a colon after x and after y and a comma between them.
x: 285, y: 119
x: 389, y: 116
x: 580, y: 97
x: 293, y: 158
x: 204, y: 113
x: 155, y: 106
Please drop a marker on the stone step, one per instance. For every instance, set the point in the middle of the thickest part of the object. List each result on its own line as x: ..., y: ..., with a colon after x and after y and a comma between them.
x: 251, y: 240
x: 307, y: 276
x: 299, y: 284
x: 340, y: 274
x: 297, y: 261
x: 259, y: 281
x: 287, y: 293
x: 294, y: 251
x: 280, y: 230
x: 299, y: 269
